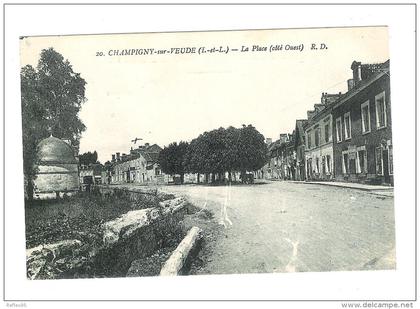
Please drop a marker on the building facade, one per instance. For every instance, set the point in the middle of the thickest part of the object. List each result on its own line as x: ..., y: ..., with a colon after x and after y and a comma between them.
x: 276, y: 167
x: 90, y: 174
x: 362, y: 125
x: 346, y: 137
x: 319, y: 150
x: 289, y: 158
x: 139, y: 166
x: 299, y: 147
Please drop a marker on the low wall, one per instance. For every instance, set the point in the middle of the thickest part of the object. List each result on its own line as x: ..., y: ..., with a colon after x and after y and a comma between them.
x: 135, y: 190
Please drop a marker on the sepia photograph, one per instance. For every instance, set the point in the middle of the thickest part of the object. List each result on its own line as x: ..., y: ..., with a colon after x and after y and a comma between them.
x: 205, y: 153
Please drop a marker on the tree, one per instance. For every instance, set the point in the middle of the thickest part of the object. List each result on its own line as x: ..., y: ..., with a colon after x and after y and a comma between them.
x: 34, y: 124
x: 88, y: 158
x: 52, y: 96
x: 62, y: 92
x: 172, y: 159
x: 231, y: 154
x: 226, y: 150
x: 252, y: 150
x: 193, y: 159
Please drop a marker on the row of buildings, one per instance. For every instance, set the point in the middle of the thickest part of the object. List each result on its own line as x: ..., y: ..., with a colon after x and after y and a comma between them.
x: 139, y: 166
x: 59, y: 173
x: 346, y: 137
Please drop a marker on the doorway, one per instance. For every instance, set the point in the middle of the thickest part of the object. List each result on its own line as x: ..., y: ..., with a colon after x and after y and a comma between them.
x: 387, y: 178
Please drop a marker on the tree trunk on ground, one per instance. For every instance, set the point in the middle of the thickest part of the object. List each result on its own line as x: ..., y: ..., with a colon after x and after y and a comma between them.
x: 198, y: 177
x: 230, y: 176
x: 213, y: 177
x: 182, y: 178
x: 207, y: 178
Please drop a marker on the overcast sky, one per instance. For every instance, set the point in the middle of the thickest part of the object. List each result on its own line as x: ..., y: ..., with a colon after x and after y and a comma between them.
x: 166, y: 98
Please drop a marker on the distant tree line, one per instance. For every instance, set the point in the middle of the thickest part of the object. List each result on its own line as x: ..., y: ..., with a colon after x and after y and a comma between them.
x: 216, y: 152
x: 88, y: 158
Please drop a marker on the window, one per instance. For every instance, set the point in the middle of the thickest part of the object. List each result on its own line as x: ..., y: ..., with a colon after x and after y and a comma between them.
x: 328, y: 163
x: 339, y: 129
x: 317, y: 164
x: 380, y: 111
x: 365, y: 117
x: 345, y: 163
x: 378, y: 160
x: 309, y: 139
x: 309, y: 167
x: 347, y: 126
x: 361, y: 161
x: 327, y: 131
x: 324, y: 168
x: 316, y: 136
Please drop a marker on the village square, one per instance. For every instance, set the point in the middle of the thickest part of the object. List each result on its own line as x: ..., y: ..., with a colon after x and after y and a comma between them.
x: 318, y: 197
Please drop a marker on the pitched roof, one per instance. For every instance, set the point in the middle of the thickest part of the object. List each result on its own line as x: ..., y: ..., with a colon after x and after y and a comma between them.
x: 154, y: 148
x: 377, y: 71
x: 149, y: 153
x: 300, y: 132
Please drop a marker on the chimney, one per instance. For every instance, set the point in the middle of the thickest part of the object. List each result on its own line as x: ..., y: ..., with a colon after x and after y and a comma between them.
x: 350, y: 84
x: 118, y: 156
x: 283, y: 137
x: 324, y: 98
x: 268, y: 140
x: 113, y: 158
x: 357, y: 72
x: 146, y: 145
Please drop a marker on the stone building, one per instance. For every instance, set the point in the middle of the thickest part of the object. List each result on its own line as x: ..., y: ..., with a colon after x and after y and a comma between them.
x: 289, y: 158
x: 58, y: 173
x: 362, y: 126
x: 139, y: 166
x: 319, y: 141
x: 346, y: 137
x: 275, y: 167
x: 91, y: 174
x: 299, y: 147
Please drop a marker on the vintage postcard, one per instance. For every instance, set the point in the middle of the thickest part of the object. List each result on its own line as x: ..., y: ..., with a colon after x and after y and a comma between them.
x: 217, y: 152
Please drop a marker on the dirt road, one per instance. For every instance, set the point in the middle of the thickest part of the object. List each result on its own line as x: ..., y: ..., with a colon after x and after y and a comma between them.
x: 288, y: 227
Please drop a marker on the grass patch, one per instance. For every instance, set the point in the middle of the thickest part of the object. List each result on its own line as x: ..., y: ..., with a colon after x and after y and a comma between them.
x: 79, y: 217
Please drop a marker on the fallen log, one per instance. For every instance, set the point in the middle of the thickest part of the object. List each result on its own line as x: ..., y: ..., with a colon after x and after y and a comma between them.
x: 176, y: 262
x: 124, y: 226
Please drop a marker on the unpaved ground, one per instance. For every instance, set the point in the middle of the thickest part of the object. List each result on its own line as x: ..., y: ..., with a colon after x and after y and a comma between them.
x: 287, y: 227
